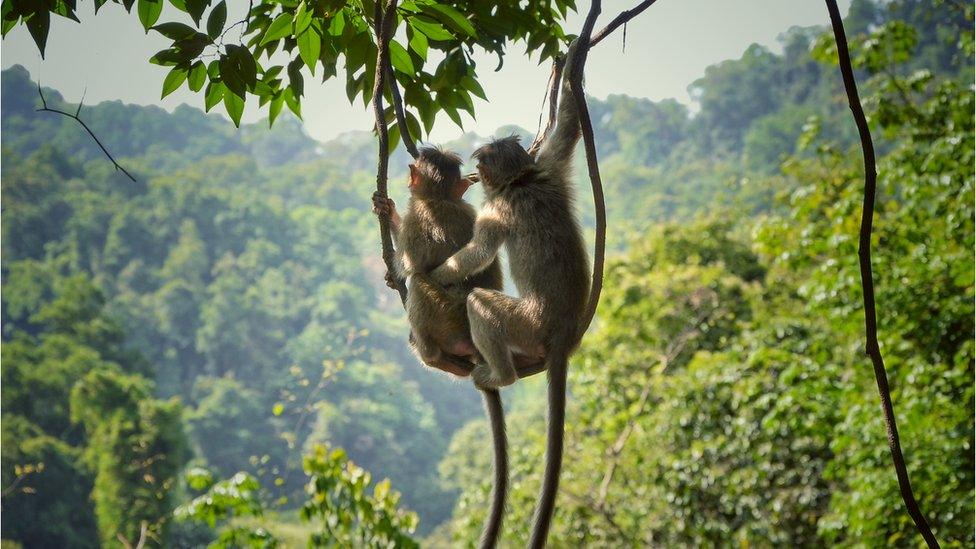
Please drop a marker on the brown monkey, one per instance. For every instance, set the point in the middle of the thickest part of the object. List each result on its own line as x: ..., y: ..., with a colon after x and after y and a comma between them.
x: 437, y: 224
x: 529, y: 209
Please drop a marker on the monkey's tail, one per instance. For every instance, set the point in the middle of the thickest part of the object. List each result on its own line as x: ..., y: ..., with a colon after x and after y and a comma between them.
x: 557, y: 362
x: 496, y: 420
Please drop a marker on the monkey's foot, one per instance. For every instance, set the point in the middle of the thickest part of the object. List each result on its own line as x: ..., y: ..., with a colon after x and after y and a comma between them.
x: 485, y: 378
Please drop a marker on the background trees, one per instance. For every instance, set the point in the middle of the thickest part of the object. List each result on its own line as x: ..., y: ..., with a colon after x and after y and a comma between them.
x: 721, y: 396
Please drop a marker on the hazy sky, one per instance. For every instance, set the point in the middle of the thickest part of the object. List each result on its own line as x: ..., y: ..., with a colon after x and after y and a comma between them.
x: 668, y: 47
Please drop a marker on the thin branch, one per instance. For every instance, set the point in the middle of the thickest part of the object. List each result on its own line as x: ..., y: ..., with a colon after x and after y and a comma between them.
x: 555, y: 78
x: 383, y: 27
x: 401, y: 117
x: 867, y: 277
x: 75, y: 116
x: 589, y: 144
x: 620, y: 20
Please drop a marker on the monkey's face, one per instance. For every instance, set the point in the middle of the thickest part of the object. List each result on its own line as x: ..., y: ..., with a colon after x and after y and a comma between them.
x: 414, y: 179
x: 461, y: 187
x: 501, y: 161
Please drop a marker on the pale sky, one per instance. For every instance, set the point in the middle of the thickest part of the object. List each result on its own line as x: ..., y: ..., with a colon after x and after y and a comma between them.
x: 668, y: 47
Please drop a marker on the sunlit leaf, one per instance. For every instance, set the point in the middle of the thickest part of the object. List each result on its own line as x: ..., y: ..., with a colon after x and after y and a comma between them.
x: 197, y: 76
x: 279, y: 28
x: 309, y: 47
x: 149, y: 11
x: 235, y: 107
x: 173, y: 80
x: 400, y: 59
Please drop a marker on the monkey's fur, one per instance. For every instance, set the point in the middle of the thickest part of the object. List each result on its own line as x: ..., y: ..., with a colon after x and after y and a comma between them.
x: 529, y: 208
x: 435, y: 225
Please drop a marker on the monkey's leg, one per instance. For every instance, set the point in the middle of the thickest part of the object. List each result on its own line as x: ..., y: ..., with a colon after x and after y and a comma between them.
x: 441, y: 313
x: 498, y: 324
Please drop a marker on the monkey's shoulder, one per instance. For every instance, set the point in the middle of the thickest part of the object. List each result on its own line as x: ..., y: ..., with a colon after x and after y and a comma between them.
x: 437, y: 221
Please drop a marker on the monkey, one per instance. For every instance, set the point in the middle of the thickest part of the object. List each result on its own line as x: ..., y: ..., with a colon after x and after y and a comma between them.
x: 437, y: 223
x: 529, y: 208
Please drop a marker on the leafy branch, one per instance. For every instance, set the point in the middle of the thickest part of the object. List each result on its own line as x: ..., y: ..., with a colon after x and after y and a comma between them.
x: 77, y: 116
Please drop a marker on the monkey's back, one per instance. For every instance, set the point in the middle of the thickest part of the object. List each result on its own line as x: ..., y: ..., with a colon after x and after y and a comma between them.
x: 545, y: 245
x: 432, y: 231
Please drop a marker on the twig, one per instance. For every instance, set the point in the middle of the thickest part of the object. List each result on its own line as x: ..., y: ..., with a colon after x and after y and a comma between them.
x: 553, y: 94
x: 620, y: 20
x: 76, y: 116
x: 383, y: 27
x: 867, y: 278
x: 401, y: 117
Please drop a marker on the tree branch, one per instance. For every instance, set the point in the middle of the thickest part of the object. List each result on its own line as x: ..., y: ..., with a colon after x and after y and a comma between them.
x: 76, y: 116
x: 401, y: 117
x: 867, y: 277
x: 589, y: 144
x: 383, y: 27
x: 621, y: 19
x: 552, y: 92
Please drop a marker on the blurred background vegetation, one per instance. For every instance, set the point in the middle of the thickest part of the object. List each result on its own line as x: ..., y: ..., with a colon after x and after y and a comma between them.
x: 173, y: 347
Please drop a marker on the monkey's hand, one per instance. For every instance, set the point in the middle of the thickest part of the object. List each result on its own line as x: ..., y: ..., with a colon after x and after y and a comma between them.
x: 383, y: 205
x: 390, y: 279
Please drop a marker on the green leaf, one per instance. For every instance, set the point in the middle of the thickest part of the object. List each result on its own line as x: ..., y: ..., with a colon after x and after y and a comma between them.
x: 216, y: 20
x: 418, y: 43
x: 279, y: 28
x: 401, y: 59
x: 173, y: 80
x: 38, y: 25
x: 235, y: 107
x: 7, y: 25
x: 309, y: 47
x: 292, y: 103
x: 471, y: 84
x: 393, y: 139
x: 179, y: 4
x: 149, y: 11
x: 196, y: 8
x: 175, y: 31
x: 215, y: 92
x: 197, y: 76
x: 431, y: 29
x: 168, y: 57
x: 277, y: 409
x: 275, y: 109
x: 303, y: 18
x: 453, y: 113
x: 296, y: 82
x: 452, y: 17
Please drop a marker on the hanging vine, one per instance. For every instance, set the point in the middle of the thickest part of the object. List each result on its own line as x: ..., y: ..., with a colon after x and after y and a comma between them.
x: 867, y: 277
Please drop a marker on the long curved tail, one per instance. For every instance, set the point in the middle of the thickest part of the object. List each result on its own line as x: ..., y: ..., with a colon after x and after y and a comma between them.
x: 554, y: 448
x: 496, y: 420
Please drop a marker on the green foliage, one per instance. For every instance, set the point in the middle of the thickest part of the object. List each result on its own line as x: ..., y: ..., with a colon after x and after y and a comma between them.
x: 725, y: 398
x: 136, y: 450
x: 348, y: 515
x: 343, y: 504
x: 237, y: 497
x: 328, y: 33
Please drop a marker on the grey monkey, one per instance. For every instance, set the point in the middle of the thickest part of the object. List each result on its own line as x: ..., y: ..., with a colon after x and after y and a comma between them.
x: 437, y: 223
x: 529, y: 209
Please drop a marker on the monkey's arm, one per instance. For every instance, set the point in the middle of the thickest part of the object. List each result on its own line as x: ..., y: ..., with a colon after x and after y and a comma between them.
x: 557, y: 150
x: 489, y: 234
x: 385, y: 206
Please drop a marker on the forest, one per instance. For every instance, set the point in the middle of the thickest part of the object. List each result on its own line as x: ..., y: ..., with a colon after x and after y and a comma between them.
x: 209, y: 354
